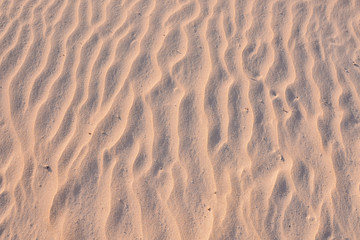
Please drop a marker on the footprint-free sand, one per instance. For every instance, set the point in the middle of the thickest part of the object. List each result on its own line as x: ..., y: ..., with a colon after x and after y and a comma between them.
x: 179, y: 119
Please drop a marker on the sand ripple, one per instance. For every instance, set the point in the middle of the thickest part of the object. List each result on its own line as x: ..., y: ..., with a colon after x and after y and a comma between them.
x: 179, y: 119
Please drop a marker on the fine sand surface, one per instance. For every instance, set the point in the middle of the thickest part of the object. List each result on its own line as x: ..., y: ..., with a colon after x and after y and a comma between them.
x: 179, y: 119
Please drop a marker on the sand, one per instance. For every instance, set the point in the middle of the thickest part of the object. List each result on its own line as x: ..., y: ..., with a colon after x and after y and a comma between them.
x: 179, y: 119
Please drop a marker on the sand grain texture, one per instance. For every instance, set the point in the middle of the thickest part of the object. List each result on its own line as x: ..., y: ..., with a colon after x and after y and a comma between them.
x: 179, y: 119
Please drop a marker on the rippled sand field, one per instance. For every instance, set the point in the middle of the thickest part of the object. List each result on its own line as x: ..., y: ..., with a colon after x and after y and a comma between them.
x: 179, y: 119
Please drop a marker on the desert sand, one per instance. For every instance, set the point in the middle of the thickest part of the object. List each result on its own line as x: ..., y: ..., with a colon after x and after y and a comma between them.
x: 179, y: 119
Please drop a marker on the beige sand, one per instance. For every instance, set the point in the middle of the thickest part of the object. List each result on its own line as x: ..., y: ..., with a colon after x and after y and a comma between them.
x: 179, y: 119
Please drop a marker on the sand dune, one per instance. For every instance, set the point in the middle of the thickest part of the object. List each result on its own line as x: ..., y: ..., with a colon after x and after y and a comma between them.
x: 179, y: 119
